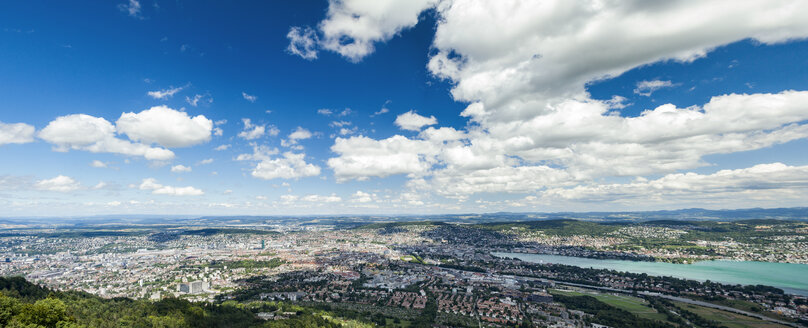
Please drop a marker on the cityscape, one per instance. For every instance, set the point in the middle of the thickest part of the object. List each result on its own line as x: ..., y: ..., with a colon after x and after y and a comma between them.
x: 404, y: 164
x: 407, y: 273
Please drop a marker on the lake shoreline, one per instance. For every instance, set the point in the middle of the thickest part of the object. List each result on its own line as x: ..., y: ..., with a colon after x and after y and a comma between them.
x: 789, y: 276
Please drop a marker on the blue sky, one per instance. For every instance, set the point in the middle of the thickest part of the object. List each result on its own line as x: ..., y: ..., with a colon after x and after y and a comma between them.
x: 394, y: 107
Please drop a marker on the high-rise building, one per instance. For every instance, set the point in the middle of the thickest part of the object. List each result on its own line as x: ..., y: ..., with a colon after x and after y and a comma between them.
x: 194, y: 287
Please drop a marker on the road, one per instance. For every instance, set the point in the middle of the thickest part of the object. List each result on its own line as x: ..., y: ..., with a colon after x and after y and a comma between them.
x: 669, y: 297
x: 679, y: 299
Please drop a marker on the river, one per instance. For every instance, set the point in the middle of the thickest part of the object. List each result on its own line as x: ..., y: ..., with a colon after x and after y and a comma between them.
x: 792, y: 278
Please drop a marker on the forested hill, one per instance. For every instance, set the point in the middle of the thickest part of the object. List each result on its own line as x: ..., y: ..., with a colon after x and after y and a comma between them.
x: 23, y: 304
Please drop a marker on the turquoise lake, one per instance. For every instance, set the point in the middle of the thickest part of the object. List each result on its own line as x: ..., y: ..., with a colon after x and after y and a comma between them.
x: 792, y: 278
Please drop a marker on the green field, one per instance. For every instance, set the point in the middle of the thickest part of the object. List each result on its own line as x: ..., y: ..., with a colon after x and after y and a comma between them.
x: 635, y: 305
x: 728, y: 319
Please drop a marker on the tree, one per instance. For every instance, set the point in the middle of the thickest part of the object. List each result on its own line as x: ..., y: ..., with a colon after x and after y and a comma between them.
x: 47, y: 312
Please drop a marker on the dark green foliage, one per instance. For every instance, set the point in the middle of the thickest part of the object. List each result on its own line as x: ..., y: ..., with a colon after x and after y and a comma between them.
x: 248, y: 264
x: 227, y: 231
x: 388, y: 225
x: 23, y: 304
x: 461, y: 267
x: 606, y: 314
x: 560, y: 227
x: 20, y: 288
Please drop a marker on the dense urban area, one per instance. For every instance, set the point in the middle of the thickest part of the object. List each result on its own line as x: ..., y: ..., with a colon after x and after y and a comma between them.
x: 395, y: 274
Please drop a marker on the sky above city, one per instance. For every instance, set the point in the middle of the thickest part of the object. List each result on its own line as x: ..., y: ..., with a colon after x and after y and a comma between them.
x: 401, y: 107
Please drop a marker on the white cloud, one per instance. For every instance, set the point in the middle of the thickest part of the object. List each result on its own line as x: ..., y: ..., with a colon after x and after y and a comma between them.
x: 288, y: 198
x: 515, y: 59
x: 249, y: 98
x: 362, y: 157
x: 501, y: 179
x: 98, y: 164
x: 165, y: 93
x: 132, y: 8
x: 414, y: 122
x: 321, y: 199
x: 763, y: 181
x: 351, y: 27
x: 260, y: 153
x: 206, y: 161
x: 180, y: 169
x: 302, y: 42
x: 97, y: 135
x: 381, y: 111
x: 166, y: 127
x: 347, y: 131
x: 328, y: 112
x: 646, y: 88
x: 158, y: 189
x: 252, y: 132
x: 298, y: 134
x: 523, y: 66
x: 362, y: 197
x: 60, y: 183
x: 222, y: 147
x: 16, y: 133
x: 197, y: 98
x: 290, y: 166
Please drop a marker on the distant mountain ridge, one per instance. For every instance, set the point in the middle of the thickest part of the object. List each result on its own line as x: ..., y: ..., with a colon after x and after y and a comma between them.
x: 793, y: 213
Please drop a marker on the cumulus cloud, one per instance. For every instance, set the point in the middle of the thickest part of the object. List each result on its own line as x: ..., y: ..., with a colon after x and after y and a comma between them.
x: 763, y: 181
x: 59, y: 183
x: 352, y: 27
x: 523, y: 67
x: 98, y: 164
x: 321, y: 198
x: 298, y: 134
x: 361, y: 157
x: 252, y: 131
x: 165, y: 93
x: 287, y: 166
x: 414, y: 122
x: 515, y: 59
x: 159, y: 189
x: 16, y: 133
x: 362, y: 197
x: 97, y: 135
x: 302, y: 42
x: 646, y: 88
x: 166, y: 127
x: 180, y: 168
